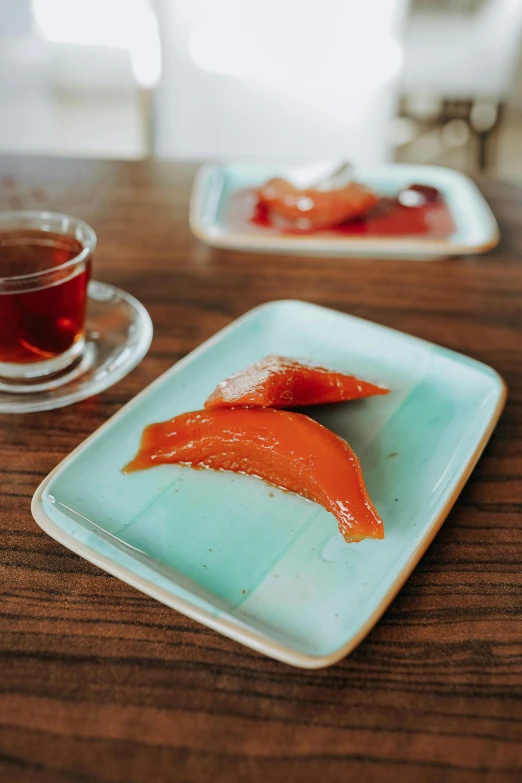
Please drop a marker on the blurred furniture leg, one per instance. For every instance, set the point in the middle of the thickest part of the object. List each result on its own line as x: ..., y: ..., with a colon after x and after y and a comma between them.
x: 467, y: 59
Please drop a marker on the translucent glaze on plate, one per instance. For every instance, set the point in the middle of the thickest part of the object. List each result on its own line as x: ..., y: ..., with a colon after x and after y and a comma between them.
x: 262, y: 566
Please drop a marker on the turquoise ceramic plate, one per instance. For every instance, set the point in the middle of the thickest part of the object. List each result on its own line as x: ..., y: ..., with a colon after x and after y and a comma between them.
x: 262, y: 566
x: 216, y: 209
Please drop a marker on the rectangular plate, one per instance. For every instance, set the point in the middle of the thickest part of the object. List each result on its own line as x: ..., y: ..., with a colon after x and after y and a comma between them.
x: 476, y: 228
x: 262, y: 566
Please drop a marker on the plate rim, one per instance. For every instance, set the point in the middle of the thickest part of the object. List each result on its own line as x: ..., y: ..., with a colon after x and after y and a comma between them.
x: 382, y: 247
x: 233, y: 630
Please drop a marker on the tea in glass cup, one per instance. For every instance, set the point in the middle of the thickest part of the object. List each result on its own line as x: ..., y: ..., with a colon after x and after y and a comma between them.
x: 45, y: 266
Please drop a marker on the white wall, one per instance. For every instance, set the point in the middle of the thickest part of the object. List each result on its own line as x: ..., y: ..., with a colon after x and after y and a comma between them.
x: 296, y: 79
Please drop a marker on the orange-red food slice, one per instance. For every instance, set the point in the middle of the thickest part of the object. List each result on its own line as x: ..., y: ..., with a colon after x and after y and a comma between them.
x: 287, y: 449
x: 311, y: 208
x: 278, y: 382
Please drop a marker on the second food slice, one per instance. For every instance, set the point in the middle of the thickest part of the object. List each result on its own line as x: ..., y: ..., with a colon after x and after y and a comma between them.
x: 279, y: 382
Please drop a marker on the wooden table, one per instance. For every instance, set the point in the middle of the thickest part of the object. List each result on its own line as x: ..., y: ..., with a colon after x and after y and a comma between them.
x: 101, y: 683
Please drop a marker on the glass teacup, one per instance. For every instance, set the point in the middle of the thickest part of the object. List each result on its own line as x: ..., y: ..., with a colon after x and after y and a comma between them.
x: 45, y: 265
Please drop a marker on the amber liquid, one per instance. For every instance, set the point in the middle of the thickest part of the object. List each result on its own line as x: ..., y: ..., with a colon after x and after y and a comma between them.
x: 42, y: 323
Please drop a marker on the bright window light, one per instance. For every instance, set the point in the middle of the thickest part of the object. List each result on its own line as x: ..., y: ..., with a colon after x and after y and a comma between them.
x: 120, y: 24
x: 296, y: 41
x: 330, y: 56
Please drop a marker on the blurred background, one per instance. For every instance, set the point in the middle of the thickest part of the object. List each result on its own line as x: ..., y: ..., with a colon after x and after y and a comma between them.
x: 432, y: 81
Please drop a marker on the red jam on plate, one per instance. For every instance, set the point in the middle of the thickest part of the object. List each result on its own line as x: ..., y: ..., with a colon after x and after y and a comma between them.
x: 417, y: 211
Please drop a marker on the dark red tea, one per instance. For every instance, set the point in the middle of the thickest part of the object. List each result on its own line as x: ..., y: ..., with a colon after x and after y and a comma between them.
x: 46, y: 318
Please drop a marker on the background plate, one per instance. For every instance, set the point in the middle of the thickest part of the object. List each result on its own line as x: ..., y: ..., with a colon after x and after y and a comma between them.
x: 262, y: 566
x: 476, y: 228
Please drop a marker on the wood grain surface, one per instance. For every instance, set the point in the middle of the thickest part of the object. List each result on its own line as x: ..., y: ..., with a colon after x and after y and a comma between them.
x: 100, y: 683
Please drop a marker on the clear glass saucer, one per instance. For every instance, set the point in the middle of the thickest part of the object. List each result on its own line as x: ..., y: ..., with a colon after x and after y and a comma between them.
x: 118, y: 335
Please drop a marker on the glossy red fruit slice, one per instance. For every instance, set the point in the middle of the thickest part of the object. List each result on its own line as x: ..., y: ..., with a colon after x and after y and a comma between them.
x: 278, y: 382
x: 312, y: 208
x: 287, y: 449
